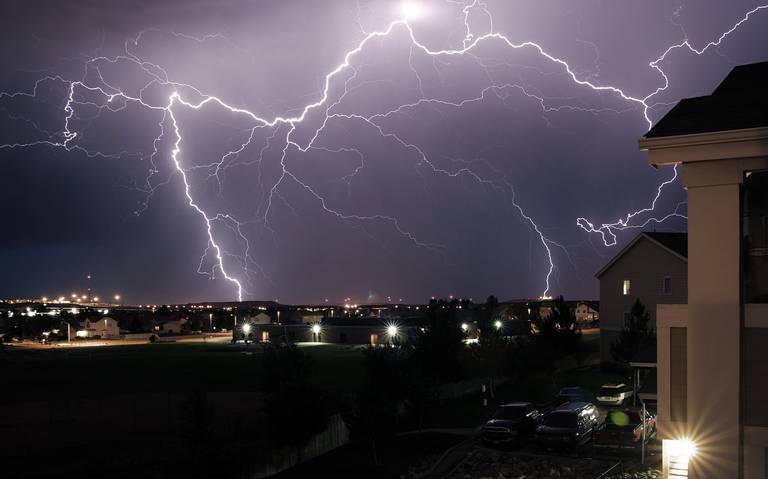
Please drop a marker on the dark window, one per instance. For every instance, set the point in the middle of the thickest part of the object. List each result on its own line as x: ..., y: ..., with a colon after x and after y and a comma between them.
x: 342, y: 337
x: 678, y: 372
x: 667, y: 285
x: 755, y: 221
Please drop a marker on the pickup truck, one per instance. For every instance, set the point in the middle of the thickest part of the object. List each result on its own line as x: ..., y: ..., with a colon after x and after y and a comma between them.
x: 623, y: 429
x: 511, y: 424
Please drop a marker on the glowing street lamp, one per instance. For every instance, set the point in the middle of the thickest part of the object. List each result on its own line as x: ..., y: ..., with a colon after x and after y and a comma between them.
x: 498, y: 324
x: 316, y: 329
x: 247, y: 328
x: 464, y: 327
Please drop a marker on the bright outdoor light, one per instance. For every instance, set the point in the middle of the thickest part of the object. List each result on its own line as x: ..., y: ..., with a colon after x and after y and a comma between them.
x: 316, y: 328
x: 464, y: 327
x: 497, y: 323
x: 246, y: 328
x: 682, y: 448
x: 392, y: 330
x: 82, y: 333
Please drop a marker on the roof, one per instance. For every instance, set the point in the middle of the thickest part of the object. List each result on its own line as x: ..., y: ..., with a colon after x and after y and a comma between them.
x: 739, y: 102
x: 675, y: 243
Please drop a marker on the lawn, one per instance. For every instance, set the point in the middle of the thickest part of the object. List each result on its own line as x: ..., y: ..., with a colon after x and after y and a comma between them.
x: 28, y: 374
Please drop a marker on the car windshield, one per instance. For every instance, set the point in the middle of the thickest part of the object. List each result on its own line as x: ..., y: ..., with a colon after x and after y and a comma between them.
x: 620, y: 419
x: 510, y: 412
x: 560, y: 419
x: 609, y: 390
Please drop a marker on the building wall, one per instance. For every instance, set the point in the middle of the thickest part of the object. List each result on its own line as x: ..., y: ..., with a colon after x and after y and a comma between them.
x: 714, y: 302
x: 646, y: 265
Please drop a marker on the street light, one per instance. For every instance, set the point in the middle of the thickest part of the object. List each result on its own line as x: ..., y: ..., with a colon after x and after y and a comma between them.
x: 497, y: 323
x: 464, y: 327
x: 247, y: 328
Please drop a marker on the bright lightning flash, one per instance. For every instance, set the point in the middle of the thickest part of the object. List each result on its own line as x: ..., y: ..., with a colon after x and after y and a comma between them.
x: 93, y: 91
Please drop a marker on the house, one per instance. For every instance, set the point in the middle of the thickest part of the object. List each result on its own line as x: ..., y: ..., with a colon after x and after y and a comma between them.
x: 103, y: 328
x: 653, y: 268
x: 586, y: 311
x: 712, y: 350
x: 173, y: 326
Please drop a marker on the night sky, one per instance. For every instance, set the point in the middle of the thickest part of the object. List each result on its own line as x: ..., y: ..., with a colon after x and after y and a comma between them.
x: 418, y: 181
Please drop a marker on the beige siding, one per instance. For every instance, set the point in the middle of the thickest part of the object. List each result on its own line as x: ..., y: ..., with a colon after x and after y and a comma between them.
x: 678, y: 371
x: 645, y: 264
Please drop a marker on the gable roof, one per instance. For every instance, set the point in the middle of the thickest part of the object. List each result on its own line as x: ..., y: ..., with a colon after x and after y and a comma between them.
x: 739, y: 102
x: 674, y: 243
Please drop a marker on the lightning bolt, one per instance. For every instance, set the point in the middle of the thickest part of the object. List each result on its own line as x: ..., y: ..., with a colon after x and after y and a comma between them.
x: 93, y: 92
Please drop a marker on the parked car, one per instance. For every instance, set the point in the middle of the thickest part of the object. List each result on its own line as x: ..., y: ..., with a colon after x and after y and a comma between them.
x: 574, y: 394
x: 511, y: 423
x: 613, y: 394
x: 623, y: 429
x: 568, y: 426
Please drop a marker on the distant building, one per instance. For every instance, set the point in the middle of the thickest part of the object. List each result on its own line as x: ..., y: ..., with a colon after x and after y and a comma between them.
x: 652, y: 268
x: 353, y: 331
x: 173, y: 326
x: 713, y: 346
x: 104, y: 328
x: 587, y: 311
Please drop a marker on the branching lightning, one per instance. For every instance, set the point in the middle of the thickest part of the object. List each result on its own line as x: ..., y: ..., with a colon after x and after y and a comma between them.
x: 93, y: 92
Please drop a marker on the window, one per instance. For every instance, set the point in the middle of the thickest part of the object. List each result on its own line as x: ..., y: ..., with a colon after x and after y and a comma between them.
x: 667, y: 285
x: 625, y: 287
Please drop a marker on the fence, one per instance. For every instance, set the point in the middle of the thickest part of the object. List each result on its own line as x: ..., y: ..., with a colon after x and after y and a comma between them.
x: 335, y: 435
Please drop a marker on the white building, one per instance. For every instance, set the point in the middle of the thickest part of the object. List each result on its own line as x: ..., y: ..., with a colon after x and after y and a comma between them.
x: 104, y: 328
x: 713, y: 349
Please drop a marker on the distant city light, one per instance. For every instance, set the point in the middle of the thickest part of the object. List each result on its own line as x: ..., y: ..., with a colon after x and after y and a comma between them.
x: 117, y: 297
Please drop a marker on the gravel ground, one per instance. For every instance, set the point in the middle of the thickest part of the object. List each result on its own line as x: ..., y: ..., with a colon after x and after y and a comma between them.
x: 483, y: 463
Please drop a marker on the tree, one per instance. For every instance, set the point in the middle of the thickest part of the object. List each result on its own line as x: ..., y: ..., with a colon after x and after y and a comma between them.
x: 296, y: 408
x: 559, y: 333
x: 439, y: 346
x: 634, y: 335
x: 377, y: 403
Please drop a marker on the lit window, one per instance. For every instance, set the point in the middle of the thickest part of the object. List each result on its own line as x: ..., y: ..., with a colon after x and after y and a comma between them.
x: 625, y: 287
x: 667, y: 285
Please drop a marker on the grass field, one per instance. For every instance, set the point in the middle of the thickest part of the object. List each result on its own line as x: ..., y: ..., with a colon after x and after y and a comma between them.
x: 28, y: 374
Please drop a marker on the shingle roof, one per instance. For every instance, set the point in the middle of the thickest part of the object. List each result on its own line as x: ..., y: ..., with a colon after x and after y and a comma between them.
x: 677, y: 242
x: 739, y: 102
